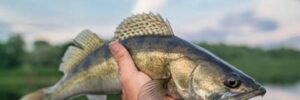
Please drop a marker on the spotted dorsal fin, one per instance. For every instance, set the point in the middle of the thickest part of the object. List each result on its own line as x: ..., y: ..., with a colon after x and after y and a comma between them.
x: 143, y: 25
x: 85, y: 43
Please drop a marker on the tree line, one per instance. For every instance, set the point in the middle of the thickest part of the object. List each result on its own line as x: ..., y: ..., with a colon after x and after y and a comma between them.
x: 13, y: 53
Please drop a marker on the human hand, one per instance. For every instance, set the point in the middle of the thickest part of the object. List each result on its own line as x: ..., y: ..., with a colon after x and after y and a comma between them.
x: 132, y: 79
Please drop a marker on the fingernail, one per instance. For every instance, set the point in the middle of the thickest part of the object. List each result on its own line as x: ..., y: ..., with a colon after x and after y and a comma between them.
x: 113, y: 46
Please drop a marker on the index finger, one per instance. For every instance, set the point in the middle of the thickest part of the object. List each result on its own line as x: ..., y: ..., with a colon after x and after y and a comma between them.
x: 124, y: 60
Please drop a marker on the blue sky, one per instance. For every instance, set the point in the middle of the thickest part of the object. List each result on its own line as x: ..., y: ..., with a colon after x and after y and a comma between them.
x: 261, y: 23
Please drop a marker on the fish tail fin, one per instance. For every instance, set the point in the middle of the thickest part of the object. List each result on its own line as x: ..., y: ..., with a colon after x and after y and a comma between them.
x: 47, y: 93
x: 84, y: 43
x: 36, y: 95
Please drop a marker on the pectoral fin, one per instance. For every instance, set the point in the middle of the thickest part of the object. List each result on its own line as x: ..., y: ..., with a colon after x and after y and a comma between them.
x: 153, y: 90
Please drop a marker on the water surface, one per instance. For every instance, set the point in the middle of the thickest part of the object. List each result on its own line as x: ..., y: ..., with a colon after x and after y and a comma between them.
x: 277, y: 92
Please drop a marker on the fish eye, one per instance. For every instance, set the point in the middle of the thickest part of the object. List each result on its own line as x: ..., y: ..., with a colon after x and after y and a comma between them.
x: 232, y: 83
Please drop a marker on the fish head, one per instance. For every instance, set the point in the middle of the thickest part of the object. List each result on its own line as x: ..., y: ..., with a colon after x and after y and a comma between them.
x: 222, y: 81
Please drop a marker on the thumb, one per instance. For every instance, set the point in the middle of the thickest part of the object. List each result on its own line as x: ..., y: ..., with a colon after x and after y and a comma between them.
x: 124, y: 60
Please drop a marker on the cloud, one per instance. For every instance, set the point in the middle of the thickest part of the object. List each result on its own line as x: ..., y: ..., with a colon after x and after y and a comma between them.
x: 235, y: 28
x: 254, y: 23
x: 292, y: 42
x: 209, y: 34
x: 259, y: 22
x: 148, y: 5
x: 59, y: 22
x: 285, y: 11
x: 249, y: 20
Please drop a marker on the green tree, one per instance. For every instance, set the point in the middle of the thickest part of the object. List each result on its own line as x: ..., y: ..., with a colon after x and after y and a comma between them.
x: 64, y: 47
x: 3, y: 56
x: 44, y: 54
x: 15, y: 50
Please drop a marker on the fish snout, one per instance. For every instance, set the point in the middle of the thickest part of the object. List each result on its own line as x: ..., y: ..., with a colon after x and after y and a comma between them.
x: 262, y: 91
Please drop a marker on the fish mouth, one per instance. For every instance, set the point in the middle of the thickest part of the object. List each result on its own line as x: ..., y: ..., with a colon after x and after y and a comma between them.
x: 247, y: 95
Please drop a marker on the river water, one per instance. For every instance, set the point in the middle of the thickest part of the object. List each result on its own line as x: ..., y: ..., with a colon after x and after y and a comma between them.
x: 276, y: 92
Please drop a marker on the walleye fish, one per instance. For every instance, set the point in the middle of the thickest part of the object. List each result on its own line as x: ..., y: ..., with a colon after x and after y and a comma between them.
x: 178, y: 68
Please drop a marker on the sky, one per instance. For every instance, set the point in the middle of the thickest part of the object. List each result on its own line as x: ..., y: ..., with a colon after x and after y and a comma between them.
x: 258, y: 23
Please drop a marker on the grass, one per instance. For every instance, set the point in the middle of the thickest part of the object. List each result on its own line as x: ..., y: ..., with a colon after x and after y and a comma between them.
x: 14, y: 83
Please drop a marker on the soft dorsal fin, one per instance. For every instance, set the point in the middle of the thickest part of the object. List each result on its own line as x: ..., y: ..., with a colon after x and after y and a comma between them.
x: 85, y: 43
x: 143, y: 25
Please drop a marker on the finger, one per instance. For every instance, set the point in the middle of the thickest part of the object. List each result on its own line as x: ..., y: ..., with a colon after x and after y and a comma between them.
x: 169, y: 98
x: 124, y: 60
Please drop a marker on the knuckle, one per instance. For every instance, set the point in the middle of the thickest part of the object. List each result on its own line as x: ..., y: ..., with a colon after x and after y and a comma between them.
x: 120, y: 54
x: 125, y: 80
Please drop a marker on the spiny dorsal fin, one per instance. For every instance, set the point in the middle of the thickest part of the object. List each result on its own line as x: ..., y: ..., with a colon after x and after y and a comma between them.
x: 143, y: 25
x: 85, y: 43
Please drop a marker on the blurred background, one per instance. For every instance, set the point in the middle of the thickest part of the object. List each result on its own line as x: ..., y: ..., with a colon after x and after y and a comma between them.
x: 260, y: 37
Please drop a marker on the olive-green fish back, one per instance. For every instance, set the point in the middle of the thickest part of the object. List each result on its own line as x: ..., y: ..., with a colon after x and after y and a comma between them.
x: 143, y: 25
x: 85, y: 43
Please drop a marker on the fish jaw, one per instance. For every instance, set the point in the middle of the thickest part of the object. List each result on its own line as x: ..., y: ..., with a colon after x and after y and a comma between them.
x: 243, y: 96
